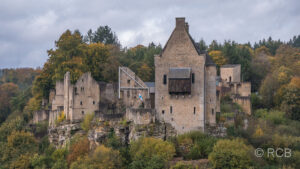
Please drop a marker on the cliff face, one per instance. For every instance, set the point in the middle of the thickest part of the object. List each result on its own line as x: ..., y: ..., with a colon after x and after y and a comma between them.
x: 126, y: 131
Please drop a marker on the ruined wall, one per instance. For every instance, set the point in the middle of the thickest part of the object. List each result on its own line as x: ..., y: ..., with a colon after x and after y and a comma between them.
x: 187, y: 110
x: 131, y: 86
x: 140, y: 116
x: 244, y: 102
x: 53, y: 115
x: 244, y: 89
x: 210, y: 94
x: 40, y: 116
x: 58, y: 99
x: 231, y: 73
x: 86, y: 97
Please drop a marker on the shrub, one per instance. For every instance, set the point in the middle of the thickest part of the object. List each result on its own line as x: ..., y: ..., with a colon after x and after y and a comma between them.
x: 22, y: 141
x: 78, y: 149
x: 86, y: 124
x: 146, y: 152
x: 105, y: 157
x: 61, y: 117
x: 274, y: 116
x: 112, y: 140
x: 181, y: 165
x: 230, y: 154
x: 195, y: 145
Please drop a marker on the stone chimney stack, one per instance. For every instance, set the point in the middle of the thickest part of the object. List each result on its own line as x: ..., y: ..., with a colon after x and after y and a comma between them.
x: 187, y: 27
x: 180, y: 23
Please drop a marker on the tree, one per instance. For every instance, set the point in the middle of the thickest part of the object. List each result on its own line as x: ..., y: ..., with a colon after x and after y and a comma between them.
x: 7, y: 91
x: 78, y: 150
x: 230, y: 154
x: 102, y: 158
x: 291, y: 99
x: 105, y: 35
x: 218, y: 57
x: 144, y: 72
x: 150, y: 152
x: 202, y: 46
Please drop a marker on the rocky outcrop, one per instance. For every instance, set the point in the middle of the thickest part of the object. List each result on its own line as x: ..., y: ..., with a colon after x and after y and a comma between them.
x: 62, y: 134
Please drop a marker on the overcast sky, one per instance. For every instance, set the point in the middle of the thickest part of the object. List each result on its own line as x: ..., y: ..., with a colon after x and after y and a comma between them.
x: 28, y: 28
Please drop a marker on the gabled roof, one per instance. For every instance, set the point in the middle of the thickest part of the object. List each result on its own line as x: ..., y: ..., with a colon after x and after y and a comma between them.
x: 208, y: 59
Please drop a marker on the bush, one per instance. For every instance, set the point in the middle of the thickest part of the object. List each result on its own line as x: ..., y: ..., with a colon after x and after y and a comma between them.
x: 86, y: 124
x: 102, y: 158
x: 274, y: 116
x: 77, y: 150
x: 195, y: 145
x: 181, y: 165
x: 230, y: 154
x: 151, y: 153
x: 60, y: 118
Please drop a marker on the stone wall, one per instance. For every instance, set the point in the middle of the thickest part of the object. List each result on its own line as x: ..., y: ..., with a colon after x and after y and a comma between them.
x: 41, y: 115
x: 131, y: 87
x: 244, y: 89
x: 231, y: 73
x: 56, y: 97
x: 187, y: 110
x: 210, y: 95
x: 244, y: 102
x: 86, y: 97
x: 140, y: 116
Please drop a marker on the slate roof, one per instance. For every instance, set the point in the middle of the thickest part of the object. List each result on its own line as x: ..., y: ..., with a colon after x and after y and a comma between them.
x: 150, y: 84
x: 179, y: 73
x: 230, y: 65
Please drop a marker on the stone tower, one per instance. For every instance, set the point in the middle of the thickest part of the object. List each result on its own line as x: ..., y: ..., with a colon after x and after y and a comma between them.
x: 185, y: 83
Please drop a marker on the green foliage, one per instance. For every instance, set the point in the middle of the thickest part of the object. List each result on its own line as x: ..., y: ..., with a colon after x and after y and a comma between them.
x: 8, y: 127
x: 181, y: 165
x: 194, y: 145
x: 103, y: 34
x: 274, y: 116
x: 86, y: 123
x: 102, y: 158
x: 231, y: 154
x: 7, y: 91
x: 113, y: 141
x: 150, y: 152
x: 256, y: 101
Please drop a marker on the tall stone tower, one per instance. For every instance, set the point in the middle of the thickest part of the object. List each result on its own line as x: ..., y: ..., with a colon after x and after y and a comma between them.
x: 184, y: 79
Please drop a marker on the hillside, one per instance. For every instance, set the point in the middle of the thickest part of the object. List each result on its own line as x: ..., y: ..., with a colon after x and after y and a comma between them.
x: 272, y: 66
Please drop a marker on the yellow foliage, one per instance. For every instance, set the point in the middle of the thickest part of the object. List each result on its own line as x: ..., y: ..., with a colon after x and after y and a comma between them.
x: 218, y: 57
x: 61, y: 117
x: 145, y: 72
x: 86, y: 123
x: 106, y: 158
x: 262, y: 49
x: 295, y: 82
x: 258, y: 132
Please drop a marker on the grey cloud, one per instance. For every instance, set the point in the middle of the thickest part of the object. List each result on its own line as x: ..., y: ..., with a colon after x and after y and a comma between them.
x: 28, y: 28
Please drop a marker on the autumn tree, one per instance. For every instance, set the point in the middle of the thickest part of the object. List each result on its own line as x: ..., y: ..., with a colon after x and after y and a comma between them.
x: 7, y: 91
x: 218, y: 57
x: 230, y: 154
x: 147, y: 152
x: 78, y: 150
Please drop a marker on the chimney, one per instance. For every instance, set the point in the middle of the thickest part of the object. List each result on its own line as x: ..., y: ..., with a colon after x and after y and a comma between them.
x: 187, y: 27
x: 180, y: 22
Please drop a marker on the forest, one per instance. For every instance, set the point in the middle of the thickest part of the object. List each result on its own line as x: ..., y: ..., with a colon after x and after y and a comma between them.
x: 272, y: 67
